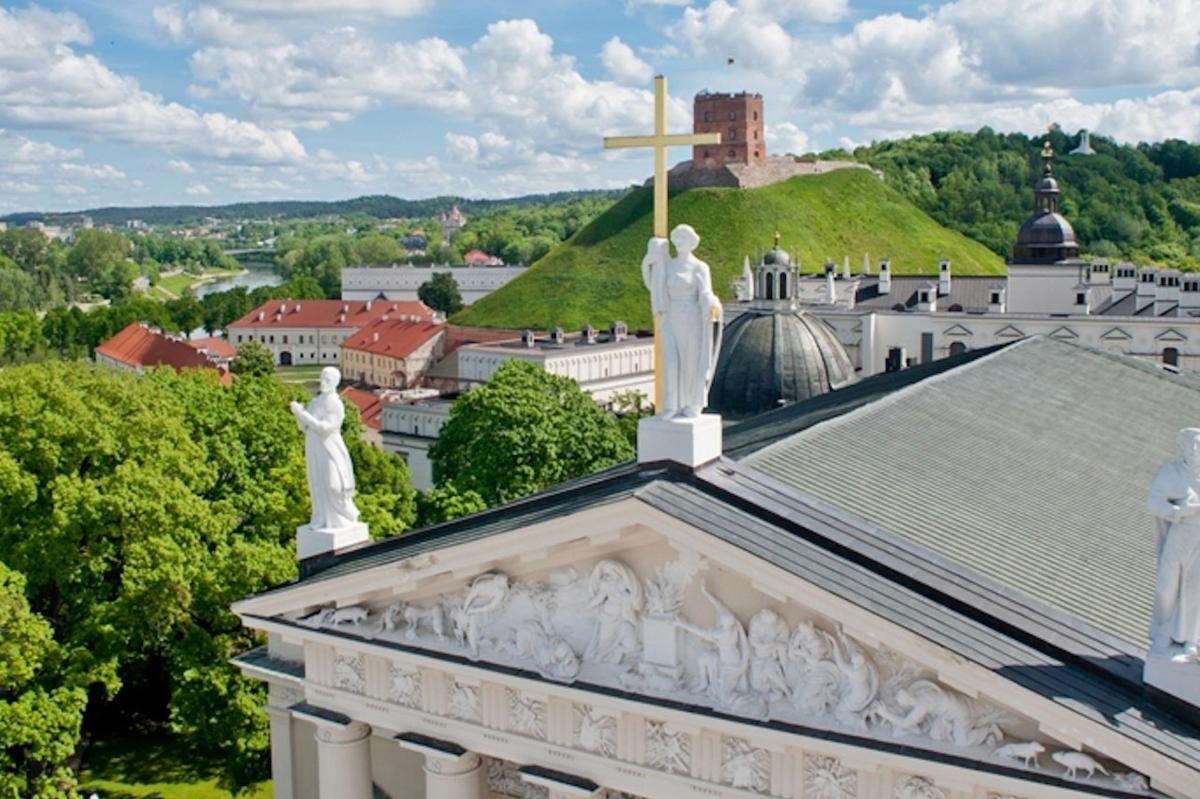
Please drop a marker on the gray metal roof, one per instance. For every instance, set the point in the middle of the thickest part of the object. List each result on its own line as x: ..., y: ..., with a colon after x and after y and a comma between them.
x: 968, y: 291
x: 1006, y: 466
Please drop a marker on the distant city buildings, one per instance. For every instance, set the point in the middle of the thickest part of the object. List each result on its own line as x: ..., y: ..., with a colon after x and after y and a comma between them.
x: 481, y: 258
x: 451, y: 222
x: 402, y: 282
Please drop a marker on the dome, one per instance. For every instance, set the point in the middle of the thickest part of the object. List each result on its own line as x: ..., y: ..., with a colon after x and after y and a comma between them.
x: 776, y: 357
x: 1046, y: 237
x: 777, y: 257
x: 1046, y: 184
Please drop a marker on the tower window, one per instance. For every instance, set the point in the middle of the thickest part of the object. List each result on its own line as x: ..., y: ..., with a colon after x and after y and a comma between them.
x: 708, y: 116
x: 732, y: 116
x: 733, y: 153
x: 733, y: 134
x: 756, y: 135
x: 755, y: 116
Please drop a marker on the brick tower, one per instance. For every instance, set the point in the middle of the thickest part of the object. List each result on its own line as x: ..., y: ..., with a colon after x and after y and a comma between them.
x: 739, y: 120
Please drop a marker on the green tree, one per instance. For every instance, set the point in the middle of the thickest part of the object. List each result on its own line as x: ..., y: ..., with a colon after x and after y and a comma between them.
x: 20, y: 334
x: 377, y: 250
x: 522, y: 431
x: 18, y: 290
x: 102, y: 259
x: 445, y: 503
x: 186, y: 313
x: 440, y: 292
x: 253, y: 358
x: 40, y: 710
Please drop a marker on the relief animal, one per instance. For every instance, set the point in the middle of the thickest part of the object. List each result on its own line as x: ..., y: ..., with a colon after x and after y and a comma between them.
x: 432, y: 618
x: 1077, y: 761
x: 1027, y: 752
x: 355, y: 614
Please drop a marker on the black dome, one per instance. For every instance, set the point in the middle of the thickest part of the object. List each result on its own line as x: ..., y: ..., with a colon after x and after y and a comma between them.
x: 777, y: 257
x: 774, y: 357
x: 1046, y: 237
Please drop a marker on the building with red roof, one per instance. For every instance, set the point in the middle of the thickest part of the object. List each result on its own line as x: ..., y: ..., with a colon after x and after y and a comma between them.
x: 139, y: 347
x: 481, y: 258
x: 303, y: 332
x: 392, y: 351
x: 217, y: 350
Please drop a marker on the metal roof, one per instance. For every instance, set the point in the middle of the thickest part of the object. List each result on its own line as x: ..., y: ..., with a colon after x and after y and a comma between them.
x: 1029, y: 464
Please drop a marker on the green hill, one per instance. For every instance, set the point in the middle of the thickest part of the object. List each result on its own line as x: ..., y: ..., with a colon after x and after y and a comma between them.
x: 595, y: 276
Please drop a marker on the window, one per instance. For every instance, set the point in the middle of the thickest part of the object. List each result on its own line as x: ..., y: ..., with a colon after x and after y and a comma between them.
x: 732, y: 116
x: 285, y: 338
x: 956, y: 308
x: 272, y: 338
x: 1081, y: 298
x: 755, y: 116
x: 707, y: 154
x: 995, y: 300
x: 733, y: 134
x: 1170, y: 357
x: 924, y: 296
x: 708, y: 116
x: 756, y: 135
x: 957, y: 348
x: 733, y: 153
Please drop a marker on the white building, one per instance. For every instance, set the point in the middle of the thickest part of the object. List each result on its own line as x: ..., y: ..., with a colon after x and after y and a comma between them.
x: 304, y: 332
x: 409, y: 430
x: 402, y: 282
x: 881, y: 597
x: 886, y: 321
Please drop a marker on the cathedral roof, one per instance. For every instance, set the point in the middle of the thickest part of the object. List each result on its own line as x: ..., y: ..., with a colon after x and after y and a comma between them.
x: 1046, y: 236
x: 771, y: 357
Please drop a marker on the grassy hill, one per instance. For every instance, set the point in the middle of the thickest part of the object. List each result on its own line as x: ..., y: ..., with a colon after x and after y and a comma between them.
x: 595, y: 277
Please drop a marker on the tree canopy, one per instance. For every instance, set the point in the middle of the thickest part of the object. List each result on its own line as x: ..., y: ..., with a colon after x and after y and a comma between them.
x: 440, y: 292
x: 253, y: 358
x: 522, y: 431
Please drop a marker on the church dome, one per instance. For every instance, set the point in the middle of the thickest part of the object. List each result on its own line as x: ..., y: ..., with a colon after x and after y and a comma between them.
x: 776, y: 357
x: 1047, y: 236
x: 777, y: 257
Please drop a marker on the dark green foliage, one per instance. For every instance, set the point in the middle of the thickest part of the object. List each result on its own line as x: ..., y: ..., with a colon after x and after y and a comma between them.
x: 440, y: 293
x: 444, y: 503
x: 522, y: 431
x: 253, y: 358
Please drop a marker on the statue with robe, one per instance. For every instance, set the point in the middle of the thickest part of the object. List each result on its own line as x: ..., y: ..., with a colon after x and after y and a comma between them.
x: 1174, y: 501
x: 690, y: 322
x: 330, y: 472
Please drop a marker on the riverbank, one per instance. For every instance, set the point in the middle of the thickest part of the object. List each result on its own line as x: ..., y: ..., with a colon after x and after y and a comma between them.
x: 172, y: 285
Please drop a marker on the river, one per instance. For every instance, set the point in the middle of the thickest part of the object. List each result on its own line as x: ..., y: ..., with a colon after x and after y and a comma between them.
x: 251, y: 279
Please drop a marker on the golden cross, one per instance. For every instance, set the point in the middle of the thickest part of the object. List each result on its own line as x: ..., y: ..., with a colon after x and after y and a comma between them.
x: 660, y: 140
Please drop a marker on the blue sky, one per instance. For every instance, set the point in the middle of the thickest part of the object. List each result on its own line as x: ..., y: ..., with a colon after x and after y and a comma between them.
x: 180, y: 101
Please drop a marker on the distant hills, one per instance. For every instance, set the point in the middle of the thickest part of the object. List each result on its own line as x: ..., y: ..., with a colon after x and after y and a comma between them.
x: 381, y: 206
x: 595, y: 277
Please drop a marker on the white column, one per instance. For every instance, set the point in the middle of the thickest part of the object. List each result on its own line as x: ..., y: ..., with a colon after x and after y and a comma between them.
x: 282, y: 779
x: 344, y: 761
x: 450, y: 777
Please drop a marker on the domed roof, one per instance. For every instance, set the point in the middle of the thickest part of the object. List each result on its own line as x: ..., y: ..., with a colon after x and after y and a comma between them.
x: 775, y: 357
x: 777, y: 257
x: 1046, y: 184
x: 1046, y: 237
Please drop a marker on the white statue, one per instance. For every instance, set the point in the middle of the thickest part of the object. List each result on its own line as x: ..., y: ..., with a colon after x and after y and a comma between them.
x: 1174, y: 501
x: 486, y: 594
x: 768, y: 652
x: 723, y: 669
x: 928, y: 709
x: 616, y: 596
x: 330, y: 472
x: 551, y: 655
x: 690, y: 322
x: 1075, y: 762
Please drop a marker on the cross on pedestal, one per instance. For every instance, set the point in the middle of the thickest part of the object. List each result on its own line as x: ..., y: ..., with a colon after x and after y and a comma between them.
x: 659, y: 141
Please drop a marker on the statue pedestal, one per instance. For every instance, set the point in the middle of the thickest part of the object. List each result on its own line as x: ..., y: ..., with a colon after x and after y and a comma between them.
x: 1180, y: 680
x: 692, y: 442
x: 312, y: 541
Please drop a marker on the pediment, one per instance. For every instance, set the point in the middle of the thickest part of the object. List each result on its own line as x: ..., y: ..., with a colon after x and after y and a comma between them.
x: 1170, y: 334
x: 1008, y: 331
x: 957, y: 330
x: 632, y: 600
x: 1063, y: 334
x: 1116, y: 334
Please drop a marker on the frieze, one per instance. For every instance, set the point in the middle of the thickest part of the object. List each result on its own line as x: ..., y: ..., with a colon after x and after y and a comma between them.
x: 349, y: 673
x: 595, y: 732
x: 745, y: 766
x: 668, y: 751
x: 917, y: 788
x: 527, y: 716
x: 827, y: 778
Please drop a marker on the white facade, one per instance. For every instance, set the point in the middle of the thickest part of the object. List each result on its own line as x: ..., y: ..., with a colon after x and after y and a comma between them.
x: 297, y: 346
x: 402, y: 282
x: 409, y: 429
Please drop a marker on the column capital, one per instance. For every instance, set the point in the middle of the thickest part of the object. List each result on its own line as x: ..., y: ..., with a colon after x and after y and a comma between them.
x: 351, y: 733
x: 451, y: 771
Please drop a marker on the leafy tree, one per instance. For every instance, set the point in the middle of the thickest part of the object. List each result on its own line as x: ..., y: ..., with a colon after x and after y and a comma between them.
x: 186, y: 313
x: 40, y: 709
x: 377, y: 250
x: 630, y: 407
x: 253, y: 358
x: 445, y: 503
x: 540, y: 429
x: 18, y: 290
x: 20, y: 334
x: 102, y: 258
x: 138, y: 509
x: 441, y: 293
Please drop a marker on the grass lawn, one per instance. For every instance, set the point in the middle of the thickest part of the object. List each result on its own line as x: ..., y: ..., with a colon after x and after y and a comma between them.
x: 158, y: 767
x: 177, y: 284
x: 308, y: 376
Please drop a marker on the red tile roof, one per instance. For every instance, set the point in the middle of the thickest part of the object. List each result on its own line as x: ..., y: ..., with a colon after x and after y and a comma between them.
x: 458, y: 336
x: 216, y: 347
x: 328, y: 313
x: 369, y: 404
x: 394, y: 336
x: 140, y: 345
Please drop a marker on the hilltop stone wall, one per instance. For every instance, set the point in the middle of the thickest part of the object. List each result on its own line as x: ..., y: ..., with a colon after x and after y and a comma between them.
x: 777, y: 168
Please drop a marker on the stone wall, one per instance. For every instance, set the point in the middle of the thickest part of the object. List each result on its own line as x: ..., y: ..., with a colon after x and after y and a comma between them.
x: 687, y: 175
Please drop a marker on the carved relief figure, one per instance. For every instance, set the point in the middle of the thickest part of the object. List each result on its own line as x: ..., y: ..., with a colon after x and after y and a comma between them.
x: 929, y: 709
x: 349, y: 673
x: 723, y: 668
x: 486, y: 594
x: 527, y: 716
x: 405, y: 687
x: 464, y: 701
x: 744, y: 766
x: 1026, y: 752
x: 595, y: 732
x: 1174, y: 501
x: 817, y: 678
x: 616, y: 596
x: 504, y: 779
x: 552, y: 656
x: 1075, y: 762
x: 330, y: 473
x: 414, y: 617
x: 768, y: 652
x: 667, y: 751
x: 860, y: 680
x: 918, y: 788
x: 664, y: 592
x: 689, y: 313
x: 827, y: 778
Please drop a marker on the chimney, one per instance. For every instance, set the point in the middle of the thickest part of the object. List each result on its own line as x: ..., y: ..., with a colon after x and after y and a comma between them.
x: 528, y: 339
x: 866, y: 263
x: 1147, y: 288
x: 996, y: 299
x: 830, y: 285
x: 589, y: 334
x: 846, y: 267
x: 1124, y: 277
x: 1189, y: 297
x: 557, y: 335
x: 375, y: 336
x: 1166, y: 296
x: 944, y: 278
x: 297, y: 307
x: 1100, y: 273
x: 885, y: 276
x: 618, y: 330
x: 927, y: 298
x: 368, y: 305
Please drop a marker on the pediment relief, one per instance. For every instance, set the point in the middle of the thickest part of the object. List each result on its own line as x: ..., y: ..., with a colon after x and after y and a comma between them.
x: 1170, y: 334
x: 1116, y: 334
x: 1064, y: 334
x: 957, y: 330
x: 1008, y: 331
x: 651, y: 617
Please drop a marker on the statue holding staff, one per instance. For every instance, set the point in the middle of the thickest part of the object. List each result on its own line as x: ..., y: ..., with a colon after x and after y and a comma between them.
x: 330, y: 472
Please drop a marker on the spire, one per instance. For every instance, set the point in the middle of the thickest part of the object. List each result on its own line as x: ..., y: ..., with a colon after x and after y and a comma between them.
x: 776, y: 239
x: 1046, y: 191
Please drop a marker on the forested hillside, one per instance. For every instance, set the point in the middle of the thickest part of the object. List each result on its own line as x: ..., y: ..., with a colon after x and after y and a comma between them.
x: 1140, y: 202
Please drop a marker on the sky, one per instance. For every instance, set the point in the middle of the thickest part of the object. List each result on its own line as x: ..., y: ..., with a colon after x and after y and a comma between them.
x: 134, y: 102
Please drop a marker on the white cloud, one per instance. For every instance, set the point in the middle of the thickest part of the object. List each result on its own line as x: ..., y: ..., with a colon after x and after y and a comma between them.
x: 785, y: 137
x: 462, y: 146
x: 16, y: 149
x: 197, y: 190
x: 45, y: 83
x: 339, y: 8
x: 623, y: 64
x: 181, y: 166
x: 92, y: 172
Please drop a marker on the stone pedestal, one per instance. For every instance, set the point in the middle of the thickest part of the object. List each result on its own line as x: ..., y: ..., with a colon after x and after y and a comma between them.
x: 1179, y: 679
x: 691, y: 442
x: 344, y: 762
x: 312, y: 541
x: 662, y: 644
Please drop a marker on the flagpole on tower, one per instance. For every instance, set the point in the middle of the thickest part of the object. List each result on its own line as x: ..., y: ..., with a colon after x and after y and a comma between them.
x: 659, y: 141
